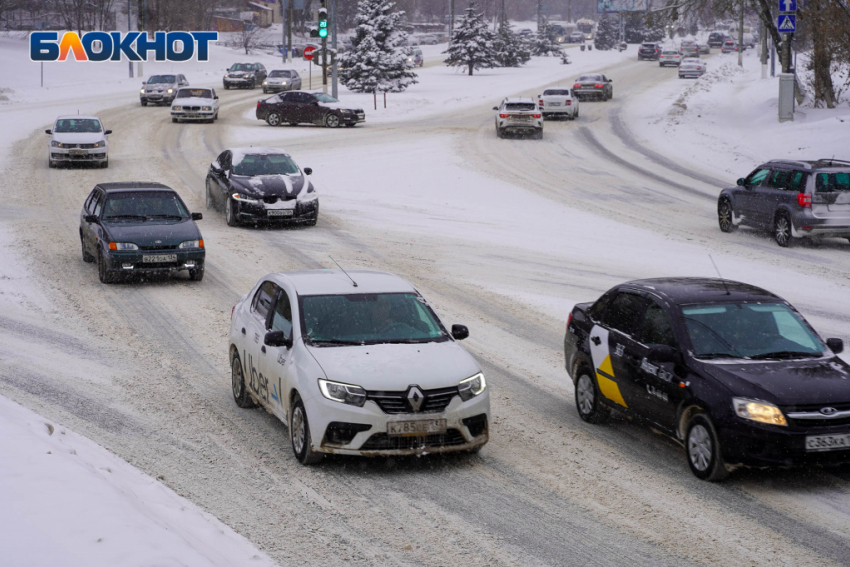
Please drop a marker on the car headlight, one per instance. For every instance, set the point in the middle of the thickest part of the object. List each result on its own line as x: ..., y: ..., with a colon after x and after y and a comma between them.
x: 244, y: 198
x: 192, y: 244
x: 176, y: 108
x: 283, y: 82
x: 472, y: 386
x: 142, y: 91
x: 169, y: 91
x: 56, y: 144
x: 122, y: 246
x: 757, y: 410
x: 343, y: 393
x: 206, y: 108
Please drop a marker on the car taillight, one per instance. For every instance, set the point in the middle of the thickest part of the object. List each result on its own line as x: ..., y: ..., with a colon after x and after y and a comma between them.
x: 536, y: 115
x: 569, y: 320
x: 231, y: 312
x: 504, y: 115
x: 804, y: 200
x: 541, y: 103
x: 258, y: 104
x: 576, y: 86
x: 598, y: 86
x: 699, y: 68
x: 568, y: 103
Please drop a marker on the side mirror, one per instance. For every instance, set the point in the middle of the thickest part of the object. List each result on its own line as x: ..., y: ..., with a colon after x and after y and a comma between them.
x: 494, y: 108
x: 308, y: 171
x: 91, y: 218
x: 215, y: 97
x: 835, y: 345
x: 277, y: 339
x: 107, y: 132
x: 197, y: 216
x: 216, y: 168
x: 661, y: 353
x: 741, y: 182
x: 459, y: 332
x: 48, y: 131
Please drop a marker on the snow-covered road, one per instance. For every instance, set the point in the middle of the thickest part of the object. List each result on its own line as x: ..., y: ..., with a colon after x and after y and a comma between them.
x: 501, y: 235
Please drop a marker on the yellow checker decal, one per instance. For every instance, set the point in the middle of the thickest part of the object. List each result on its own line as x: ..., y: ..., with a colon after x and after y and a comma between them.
x: 610, y: 389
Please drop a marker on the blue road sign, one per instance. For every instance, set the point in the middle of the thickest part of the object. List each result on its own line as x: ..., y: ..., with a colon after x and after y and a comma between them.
x: 787, y: 5
x: 786, y: 23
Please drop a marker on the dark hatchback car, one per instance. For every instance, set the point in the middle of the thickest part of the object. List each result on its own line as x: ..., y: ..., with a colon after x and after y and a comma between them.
x: 261, y: 185
x: 791, y: 199
x: 649, y: 52
x: 731, y: 371
x: 298, y: 107
x: 140, y: 228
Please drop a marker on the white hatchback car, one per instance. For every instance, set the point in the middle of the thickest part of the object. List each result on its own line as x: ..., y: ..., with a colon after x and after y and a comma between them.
x: 78, y: 139
x: 195, y: 104
x: 558, y: 102
x: 363, y: 368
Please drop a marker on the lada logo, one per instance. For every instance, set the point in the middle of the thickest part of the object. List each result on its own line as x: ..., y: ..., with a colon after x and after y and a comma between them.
x: 828, y: 411
x: 415, y: 398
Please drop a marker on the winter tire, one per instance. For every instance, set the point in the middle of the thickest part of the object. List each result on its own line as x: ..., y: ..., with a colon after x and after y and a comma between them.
x: 782, y: 229
x: 587, y: 398
x: 274, y: 119
x: 315, y: 219
x: 87, y: 258
x: 725, y: 216
x: 226, y: 87
x: 208, y: 198
x: 265, y: 91
x: 252, y: 86
x: 174, y: 120
x: 51, y: 164
x: 144, y: 103
x: 331, y: 120
x: 538, y: 135
x: 197, y: 274
x: 299, y: 433
x: 103, y: 274
x: 237, y: 383
x: 230, y: 213
x: 105, y: 164
x: 703, y: 449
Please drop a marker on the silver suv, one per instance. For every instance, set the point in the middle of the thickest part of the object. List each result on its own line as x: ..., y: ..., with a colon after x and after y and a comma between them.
x: 792, y: 199
x: 161, y: 89
x: 519, y: 115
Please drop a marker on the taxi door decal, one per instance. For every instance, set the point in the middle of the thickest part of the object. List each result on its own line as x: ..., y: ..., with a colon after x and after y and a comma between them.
x: 602, y: 362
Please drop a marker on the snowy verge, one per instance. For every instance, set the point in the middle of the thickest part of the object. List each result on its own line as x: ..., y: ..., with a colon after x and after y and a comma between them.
x: 68, y: 501
x: 728, y: 120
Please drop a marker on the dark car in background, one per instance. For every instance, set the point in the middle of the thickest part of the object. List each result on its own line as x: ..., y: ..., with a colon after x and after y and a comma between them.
x: 594, y: 85
x: 731, y: 371
x: 791, y: 199
x: 299, y: 107
x: 261, y: 185
x: 649, y: 52
x: 140, y: 228
x: 717, y: 39
x: 247, y: 75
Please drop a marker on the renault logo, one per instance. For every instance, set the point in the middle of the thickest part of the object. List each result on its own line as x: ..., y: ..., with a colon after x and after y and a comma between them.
x: 828, y: 411
x: 415, y: 398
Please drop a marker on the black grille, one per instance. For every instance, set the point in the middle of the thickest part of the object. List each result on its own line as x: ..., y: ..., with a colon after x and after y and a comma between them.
x: 815, y: 408
x: 192, y: 107
x: 88, y: 146
x: 158, y: 247
x: 340, y: 433
x: 436, y: 401
x: 382, y: 441
x: 476, y: 424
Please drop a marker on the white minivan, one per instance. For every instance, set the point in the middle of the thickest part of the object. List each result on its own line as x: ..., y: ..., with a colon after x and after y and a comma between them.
x: 356, y: 363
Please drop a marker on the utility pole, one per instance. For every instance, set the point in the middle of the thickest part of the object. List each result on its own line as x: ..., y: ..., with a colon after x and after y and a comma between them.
x: 763, y: 41
x: 334, y: 86
x: 140, y: 20
x: 741, y: 36
x: 129, y: 28
x: 289, y: 29
x: 451, y: 20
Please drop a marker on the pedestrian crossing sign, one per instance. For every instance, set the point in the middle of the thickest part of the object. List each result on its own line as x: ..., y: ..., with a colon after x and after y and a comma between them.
x: 787, y: 23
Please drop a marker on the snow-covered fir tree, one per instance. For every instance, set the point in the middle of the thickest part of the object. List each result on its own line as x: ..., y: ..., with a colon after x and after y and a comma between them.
x: 543, y: 42
x: 472, y: 44
x: 379, y: 58
x: 607, y: 33
x: 510, y: 50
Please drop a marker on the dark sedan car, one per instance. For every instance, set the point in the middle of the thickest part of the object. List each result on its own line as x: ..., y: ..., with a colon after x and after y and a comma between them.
x: 259, y: 185
x: 731, y: 371
x: 595, y: 85
x: 297, y: 107
x: 132, y: 227
x: 247, y: 75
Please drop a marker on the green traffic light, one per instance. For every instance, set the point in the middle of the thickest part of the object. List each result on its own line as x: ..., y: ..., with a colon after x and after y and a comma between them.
x: 323, y: 32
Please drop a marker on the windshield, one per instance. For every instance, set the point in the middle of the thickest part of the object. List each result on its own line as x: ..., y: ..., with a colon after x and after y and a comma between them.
x: 144, y: 205
x: 87, y: 125
x: 194, y: 93
x: 590, y: 78
x: 265, y: 164
x: 325, y: 98
x: 749, y: 330
x: 240, y: 67
x: 369, y: 318
x: 285, y: 74
x: 162, y: 79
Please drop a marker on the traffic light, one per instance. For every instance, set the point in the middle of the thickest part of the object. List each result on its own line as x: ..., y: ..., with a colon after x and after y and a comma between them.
x: 323, y: 22
x: 314, y: 32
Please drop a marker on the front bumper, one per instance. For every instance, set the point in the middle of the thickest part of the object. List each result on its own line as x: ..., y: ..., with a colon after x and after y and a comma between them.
x: 757, y: 445
x: 193, y: 114
x: 276, y: 87
x: 238, y: 82
x: 131, y: 261
x: 157, y: 98
x: 88, y: 155
x: 302, y: 211
x: 467, y: 427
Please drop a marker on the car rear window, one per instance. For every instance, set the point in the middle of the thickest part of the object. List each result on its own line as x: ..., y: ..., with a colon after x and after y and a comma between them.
x: 671, y: 53
x: 590, y: 78
x: 518, y: 106
x: 827, y: 182
x: 648, y: 45
x: 556, y: 92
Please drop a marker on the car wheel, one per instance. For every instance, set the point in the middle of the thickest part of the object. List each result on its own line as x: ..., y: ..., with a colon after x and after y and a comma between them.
x: 331, y: 120
x: 226, y: 86
x: 782, y: 230
x: 87, y: 258
x: 144, y: 102
x: 725, y: 216
x: 51, y: 164
x: 315, y: 219
x: 587, y: 398
x: 230, y: 212
x: 538, y: 135
x: 197, y: 274
x: 237, y: 383
x: 174, y: 120
x: 498, y: 132
x: 299, y: 432
x: 703, y: 449
x: 252, y: 85
x: 105, y: 164
x: 265, y: 91
x: 105, y: 276
x: 274, y: 119
x: 208, y: 198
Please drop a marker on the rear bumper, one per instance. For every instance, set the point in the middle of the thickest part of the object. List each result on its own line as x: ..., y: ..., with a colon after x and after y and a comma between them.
x: 806, y: 224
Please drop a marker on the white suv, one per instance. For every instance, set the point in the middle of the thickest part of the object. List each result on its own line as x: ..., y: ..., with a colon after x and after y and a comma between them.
x: 356, y: 363
x: 519, y: 116
x: 78, y: 139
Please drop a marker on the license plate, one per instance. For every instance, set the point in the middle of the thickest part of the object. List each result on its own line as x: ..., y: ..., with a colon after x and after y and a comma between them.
x: 416, y: 428
x: 554, y: 104
x: 159, y: 258
x: 77, y: 152
x: 280, y: 212
x: 827, y: 442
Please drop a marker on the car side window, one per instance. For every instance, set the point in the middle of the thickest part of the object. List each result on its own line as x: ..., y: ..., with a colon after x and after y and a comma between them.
x: 89, y: 204
x: 624, y: 312
x: 755, y: 179
x: 797, y: 182
x: 655, y: 329
x: 263, y: 300
x: 779, y: 179
x: 282, y: 317
x: 98, y: 204
x: 289, y: 97
x: 224, y: 160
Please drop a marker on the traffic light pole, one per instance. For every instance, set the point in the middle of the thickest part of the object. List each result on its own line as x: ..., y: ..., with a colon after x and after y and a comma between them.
x: 334, y: 89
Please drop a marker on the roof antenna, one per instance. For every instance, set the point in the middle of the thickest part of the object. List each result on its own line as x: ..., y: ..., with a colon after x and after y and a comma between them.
x: 719, y: 274
x: 343, y: 271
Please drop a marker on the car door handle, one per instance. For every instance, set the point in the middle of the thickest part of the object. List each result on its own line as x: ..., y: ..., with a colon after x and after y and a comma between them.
x: 263, y: 349
x: 596, y: 340
x: 243, y: 330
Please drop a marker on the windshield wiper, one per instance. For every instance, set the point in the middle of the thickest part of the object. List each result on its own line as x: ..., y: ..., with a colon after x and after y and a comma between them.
x: 165, y: 217
x: 712, y: 355
x: 785, y: 354
x: 110, y: 217
x: 333, y: 342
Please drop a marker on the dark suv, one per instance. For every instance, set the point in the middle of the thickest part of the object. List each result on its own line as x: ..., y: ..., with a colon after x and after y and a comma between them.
x: 791, y: 199
x: 648, y: 51
x: 717, y: 39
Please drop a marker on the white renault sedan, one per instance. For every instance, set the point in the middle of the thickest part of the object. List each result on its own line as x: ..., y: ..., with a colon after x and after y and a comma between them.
x: 356, y: 364
x: 195, y: 104
x: 78, y: 139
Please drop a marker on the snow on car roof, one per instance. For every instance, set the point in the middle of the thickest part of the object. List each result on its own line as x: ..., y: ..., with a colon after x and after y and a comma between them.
x: 240, y: 153
x: 335, y: 282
